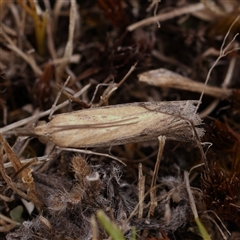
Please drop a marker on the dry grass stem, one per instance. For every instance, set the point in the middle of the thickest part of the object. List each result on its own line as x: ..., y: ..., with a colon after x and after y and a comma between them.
x: 94, y: 226
x: 8, y: 180
x: 153, y: 195
x: 50, y: 41
x: 42, y: 114
x: 40, y: 160
x: 224, y: 51
x: 225, y: 84
x: 7, y: 199
x: 228, y: 77
x: 213, y: 7
x: 57, y: 12
x: 220, y: 220
x: 168, y: 79
x: 113, y: 87
x: 165, y: 16
x: 190, y: 195
x: 93, y: 153
x: 154, y: 4
x: 141, y: 190
x: 204, y: 15
x: 53, y: 109
x: 69, y: 149
x: 69, y: 45
x: 25, y: 174
x: 72, y: 59
x: 76, y: 100
x: 28, y: 58
x: 8, y: 220
x: 217, y: 226
x: 7, y: 224
x: 8, y: 30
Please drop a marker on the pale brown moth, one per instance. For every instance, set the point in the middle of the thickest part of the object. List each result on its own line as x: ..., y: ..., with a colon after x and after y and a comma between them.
x: 120, y: 124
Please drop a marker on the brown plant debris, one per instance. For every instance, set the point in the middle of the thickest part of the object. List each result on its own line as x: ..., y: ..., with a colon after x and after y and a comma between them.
x: 221, y: 180
x: 128, y: 107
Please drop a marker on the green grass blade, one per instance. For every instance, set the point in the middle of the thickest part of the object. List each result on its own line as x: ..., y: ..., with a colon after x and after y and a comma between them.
x: 113, y: 231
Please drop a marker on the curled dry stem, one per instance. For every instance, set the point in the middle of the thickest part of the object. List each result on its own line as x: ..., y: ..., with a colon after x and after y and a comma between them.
x: 25, y: 174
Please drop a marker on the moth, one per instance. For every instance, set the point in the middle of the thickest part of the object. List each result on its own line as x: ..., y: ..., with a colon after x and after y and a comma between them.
x: 121, y: 124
